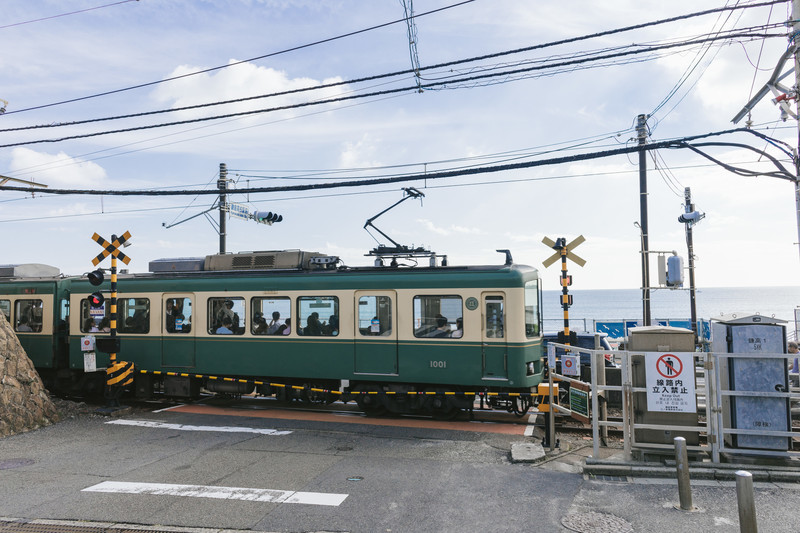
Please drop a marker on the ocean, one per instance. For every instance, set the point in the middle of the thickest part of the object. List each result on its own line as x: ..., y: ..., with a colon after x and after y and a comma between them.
x: 626, y: 304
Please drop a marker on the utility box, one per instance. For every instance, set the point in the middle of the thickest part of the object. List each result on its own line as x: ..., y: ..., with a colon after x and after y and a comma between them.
x: 660, y: 339
x: 764, y: 336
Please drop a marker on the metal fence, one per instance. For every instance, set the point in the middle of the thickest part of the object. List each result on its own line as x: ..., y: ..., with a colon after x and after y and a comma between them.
x: 730, y: 418
x: 619, y: 328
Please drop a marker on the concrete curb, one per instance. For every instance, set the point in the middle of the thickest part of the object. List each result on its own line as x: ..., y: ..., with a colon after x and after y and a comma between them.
x: 719, y: 472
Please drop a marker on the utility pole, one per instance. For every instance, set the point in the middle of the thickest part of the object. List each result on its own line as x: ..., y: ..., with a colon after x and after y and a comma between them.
x: 687, y: 194
x: 222, y: 185
x: 641, y: 131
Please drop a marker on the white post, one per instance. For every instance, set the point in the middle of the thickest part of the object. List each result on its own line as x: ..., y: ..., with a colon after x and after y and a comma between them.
x: 746, y: 502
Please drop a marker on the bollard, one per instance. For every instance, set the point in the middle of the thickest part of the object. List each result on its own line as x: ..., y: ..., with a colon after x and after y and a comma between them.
x: 746, y: 501
x: 682, y: 465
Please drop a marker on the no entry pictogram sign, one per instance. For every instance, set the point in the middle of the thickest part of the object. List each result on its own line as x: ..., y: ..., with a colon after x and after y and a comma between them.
x: 670, y: 382
x: 669, y: 366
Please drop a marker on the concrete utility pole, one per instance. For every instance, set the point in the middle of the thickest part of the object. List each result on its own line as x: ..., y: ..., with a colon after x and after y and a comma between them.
x: 687, y: 194
x: 641, y: 131
x: 222, y: 185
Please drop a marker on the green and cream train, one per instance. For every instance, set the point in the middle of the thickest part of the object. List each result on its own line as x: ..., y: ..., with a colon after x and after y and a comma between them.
x: 293, y: 324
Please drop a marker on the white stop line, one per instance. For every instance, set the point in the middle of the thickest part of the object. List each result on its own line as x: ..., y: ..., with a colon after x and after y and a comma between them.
x: 220, y: 493
x: 185, y: 427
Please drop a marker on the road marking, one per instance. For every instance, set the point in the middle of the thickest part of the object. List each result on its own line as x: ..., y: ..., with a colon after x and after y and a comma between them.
x: 220, y: 493
x: 529, y: 429
x: 186, y: 427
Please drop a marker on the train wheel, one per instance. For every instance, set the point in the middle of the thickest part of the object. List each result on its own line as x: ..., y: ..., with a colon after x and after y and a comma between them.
x: 441, y: 407
x: 371, y: 404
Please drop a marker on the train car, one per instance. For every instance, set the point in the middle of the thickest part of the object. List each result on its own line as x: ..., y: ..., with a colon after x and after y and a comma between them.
x: 34, y: 300
x: 296, y: 323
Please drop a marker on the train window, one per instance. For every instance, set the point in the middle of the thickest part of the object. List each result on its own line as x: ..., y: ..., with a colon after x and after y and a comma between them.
x: 271, y: 316
x: 318, y: 316
x: 94, y: 320
x: 494, y: 317
x: 28, y: 315
x: 375, y: 315
x: 178, y: 315
x: 532, y: 318
x: 5, y: 308
x: 226, y: 316
x: 133, y: 315
x: 438, y: 316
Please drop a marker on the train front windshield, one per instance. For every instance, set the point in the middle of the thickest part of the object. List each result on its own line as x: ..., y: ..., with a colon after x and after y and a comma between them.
x: 532, y: 314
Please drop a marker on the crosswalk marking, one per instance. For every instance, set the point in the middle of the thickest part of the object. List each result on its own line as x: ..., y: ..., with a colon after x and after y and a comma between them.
x: 220, y: 493
x: 187, y: 427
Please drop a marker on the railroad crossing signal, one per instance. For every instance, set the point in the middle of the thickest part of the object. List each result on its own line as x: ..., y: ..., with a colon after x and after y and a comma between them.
x: 559, y: 245
x: 118, y: 373
x: 111, y: 248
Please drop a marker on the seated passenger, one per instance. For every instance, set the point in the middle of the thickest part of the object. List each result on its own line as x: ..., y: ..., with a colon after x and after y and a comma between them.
x: 459, y: 331
x: 225, y: 328
x: 332, y: 327
x: 313, y: 326
x: 285, y: 328
x: 105, y: 325
x: 442, y: 328
x: 259, y: 324
x: 23, y: 324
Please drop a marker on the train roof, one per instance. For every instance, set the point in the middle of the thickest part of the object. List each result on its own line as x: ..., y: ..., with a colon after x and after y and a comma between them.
x: 313, y: 268
x: 29, y: 270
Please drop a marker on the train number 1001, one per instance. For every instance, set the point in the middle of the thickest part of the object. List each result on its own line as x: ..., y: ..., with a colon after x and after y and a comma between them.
x: 438, y: 364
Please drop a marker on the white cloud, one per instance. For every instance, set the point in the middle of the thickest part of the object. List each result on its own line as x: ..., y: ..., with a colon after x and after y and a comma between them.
x: 55, y: 170
x: 240, y: 81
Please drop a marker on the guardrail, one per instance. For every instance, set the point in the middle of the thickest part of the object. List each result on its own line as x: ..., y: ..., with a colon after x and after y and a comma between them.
x: 767, y: 412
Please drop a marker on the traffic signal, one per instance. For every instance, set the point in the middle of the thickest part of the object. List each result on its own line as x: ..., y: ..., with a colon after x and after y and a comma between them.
x: 267, y: 217
x: 96, y: 299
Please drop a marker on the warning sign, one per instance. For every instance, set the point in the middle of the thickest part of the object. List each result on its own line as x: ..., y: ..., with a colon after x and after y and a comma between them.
x: 570, y: 365
x: 670, y: 382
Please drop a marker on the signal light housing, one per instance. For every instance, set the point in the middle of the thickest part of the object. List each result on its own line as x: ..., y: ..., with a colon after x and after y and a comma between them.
x: 96, y: 299
x: 267, y: 217
x: 96, y: 277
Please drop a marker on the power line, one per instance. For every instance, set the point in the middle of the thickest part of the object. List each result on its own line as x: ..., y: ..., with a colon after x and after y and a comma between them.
x: 730, y: 36
x: 64, y: 15
x: 415, y: 70
x: 220, y: 67
x: 352, y: 193
x: 675, y: 143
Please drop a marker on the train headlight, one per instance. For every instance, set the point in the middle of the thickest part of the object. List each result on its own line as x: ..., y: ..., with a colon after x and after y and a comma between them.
x: 531, y: 368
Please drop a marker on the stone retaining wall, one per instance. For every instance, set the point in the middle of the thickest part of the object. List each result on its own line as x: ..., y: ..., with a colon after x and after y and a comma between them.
x: 24, y: 402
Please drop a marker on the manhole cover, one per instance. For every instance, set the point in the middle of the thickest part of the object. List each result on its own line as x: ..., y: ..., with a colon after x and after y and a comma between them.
x: 596, y: 523
x: 8, y: 464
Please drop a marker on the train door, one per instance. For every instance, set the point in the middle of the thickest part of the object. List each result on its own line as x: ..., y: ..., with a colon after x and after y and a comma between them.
x: 376, y: 332
x: 493, y: 334
x: 178, y: 336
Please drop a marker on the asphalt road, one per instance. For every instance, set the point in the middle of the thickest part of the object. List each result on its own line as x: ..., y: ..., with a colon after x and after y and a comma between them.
x: 263, y: 471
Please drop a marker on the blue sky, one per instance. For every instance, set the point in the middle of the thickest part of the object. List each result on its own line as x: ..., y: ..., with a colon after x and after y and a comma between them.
x: 748, y: 237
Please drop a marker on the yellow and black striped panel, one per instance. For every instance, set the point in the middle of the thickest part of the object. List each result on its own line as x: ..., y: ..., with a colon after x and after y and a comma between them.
x: 119, y: 374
